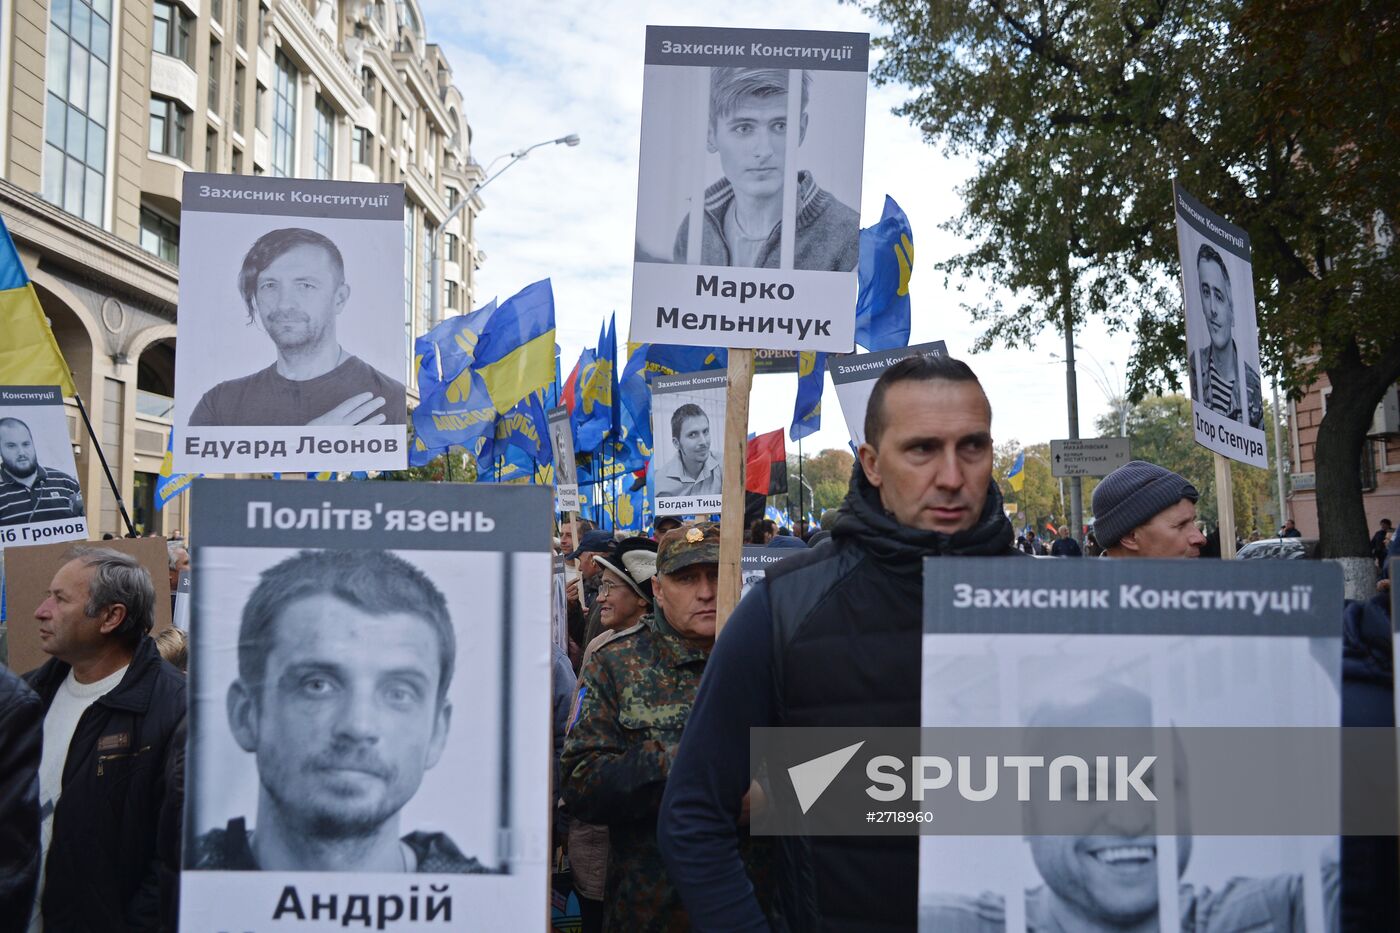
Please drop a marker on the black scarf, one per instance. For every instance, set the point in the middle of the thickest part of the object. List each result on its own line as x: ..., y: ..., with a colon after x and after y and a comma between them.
x: 864, y: 519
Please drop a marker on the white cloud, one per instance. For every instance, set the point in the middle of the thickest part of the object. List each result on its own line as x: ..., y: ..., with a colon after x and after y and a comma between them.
x: 531, y: 71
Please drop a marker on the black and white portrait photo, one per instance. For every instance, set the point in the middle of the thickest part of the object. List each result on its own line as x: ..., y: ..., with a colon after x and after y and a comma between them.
x: 40, y: 498
x: 750, y: 161
x: 294, y: 284
x: 353, y: 706
x: 1222, y: 334
x: 1094, y: 675
x: 291, y: 312
x: 687, y: 416
x: 747, y: 131
x: 561, y: 440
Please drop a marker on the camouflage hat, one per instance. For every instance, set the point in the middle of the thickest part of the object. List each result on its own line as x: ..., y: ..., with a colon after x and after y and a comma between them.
x: 689, y: 544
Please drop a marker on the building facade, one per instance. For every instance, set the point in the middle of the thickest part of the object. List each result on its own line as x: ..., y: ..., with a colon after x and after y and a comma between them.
x: 107, y: 103
x: 1380, y: 459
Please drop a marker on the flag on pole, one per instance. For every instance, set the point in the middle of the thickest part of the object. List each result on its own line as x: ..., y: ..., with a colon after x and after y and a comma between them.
x: 515, y: 355
x: 765, y: 467
x: 171, y: 484
x: 29, y: 354
x: 1017, y: 476
x: 886, y: 263
x: 807, y: 412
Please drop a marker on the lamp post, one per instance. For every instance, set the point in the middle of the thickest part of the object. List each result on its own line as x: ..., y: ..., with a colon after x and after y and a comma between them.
x: 570, y: 140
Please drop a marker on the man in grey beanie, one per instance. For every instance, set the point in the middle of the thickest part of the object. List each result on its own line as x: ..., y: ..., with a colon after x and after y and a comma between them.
x: 1143, y: 510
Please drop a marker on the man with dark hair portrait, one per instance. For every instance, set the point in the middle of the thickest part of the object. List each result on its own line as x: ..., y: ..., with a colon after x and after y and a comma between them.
x: 344, y: 662
x: 293, y: 285
x: 1221, y: 379
x: 695, y: 470
x: 29, y: 492
x: 744, y: 209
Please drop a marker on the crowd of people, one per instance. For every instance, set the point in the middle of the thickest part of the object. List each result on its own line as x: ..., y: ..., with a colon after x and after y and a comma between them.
x: 653, y: 793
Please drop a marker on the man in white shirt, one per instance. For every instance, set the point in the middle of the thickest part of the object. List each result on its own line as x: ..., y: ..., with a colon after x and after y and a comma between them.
x: 111, y: 708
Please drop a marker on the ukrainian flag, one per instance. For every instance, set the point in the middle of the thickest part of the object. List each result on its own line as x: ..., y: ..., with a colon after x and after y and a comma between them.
x: 29, y: 355
x: 515, y: 355
x: 1017, y: 476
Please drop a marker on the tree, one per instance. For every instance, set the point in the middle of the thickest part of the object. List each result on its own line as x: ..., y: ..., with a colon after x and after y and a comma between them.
x: 1281, y: 115
x: 1042, y: 499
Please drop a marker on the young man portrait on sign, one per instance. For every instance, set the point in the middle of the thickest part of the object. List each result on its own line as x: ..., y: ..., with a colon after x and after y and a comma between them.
x: 344, y: 663
x: 748, y: 130
x: 1221, y: 378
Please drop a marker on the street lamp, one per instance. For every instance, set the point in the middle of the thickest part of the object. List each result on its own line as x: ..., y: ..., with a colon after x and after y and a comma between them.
x: 571, y: 140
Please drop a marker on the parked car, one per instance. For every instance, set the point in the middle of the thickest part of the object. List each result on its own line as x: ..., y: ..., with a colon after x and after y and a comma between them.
x: 1279, y: 549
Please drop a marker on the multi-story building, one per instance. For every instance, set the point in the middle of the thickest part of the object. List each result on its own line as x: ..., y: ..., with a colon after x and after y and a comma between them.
x: 107, y: 103
x: 1380, y: 459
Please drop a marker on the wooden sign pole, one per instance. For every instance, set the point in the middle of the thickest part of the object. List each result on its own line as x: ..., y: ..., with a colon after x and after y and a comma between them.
x: 736, y: 438
x: 1225, y: 506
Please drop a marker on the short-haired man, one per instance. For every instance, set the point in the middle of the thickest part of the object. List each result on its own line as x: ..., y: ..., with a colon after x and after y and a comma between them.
x: 1220, y: 378
x: 744, y: 209
x: 1144, y: 510
x: 293, y: 285
x: 694, y: 470
x: 1290, y: 530
x: 113, y: 714
x: 1065, y: 545
x: 1380, y: 541
x: 832, y: 636
x: 344, y: 663
x: 635, y: 698
x: 29, y: 492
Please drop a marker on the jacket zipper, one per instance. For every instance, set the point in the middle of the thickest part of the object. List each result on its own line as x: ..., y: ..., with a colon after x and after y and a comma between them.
x: 103, y: 759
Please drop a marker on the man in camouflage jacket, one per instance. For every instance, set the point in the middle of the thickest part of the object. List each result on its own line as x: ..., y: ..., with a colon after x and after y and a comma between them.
x: 635, y: 696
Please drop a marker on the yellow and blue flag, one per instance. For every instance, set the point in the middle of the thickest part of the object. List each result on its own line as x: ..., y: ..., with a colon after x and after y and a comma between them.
x: 29, y: 354
x: 171, y: 484
x: 515, y: 355
x: 592, y: 397
x: 886, y: 263
x: 1017, y: 477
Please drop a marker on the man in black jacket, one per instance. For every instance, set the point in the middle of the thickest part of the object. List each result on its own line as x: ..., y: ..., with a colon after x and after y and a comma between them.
x: 832, y: 637
x: 111, y: 710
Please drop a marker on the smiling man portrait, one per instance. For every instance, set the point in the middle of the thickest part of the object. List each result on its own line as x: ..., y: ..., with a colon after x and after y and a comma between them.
x: 344, y: 664
x: 293, y: 285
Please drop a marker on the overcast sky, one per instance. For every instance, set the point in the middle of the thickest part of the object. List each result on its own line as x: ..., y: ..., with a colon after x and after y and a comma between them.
x: 531, y: 71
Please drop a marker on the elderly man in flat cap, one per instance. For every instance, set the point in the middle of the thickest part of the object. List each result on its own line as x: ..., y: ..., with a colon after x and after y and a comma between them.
x: 635, y: 696
x: 1143, y: 510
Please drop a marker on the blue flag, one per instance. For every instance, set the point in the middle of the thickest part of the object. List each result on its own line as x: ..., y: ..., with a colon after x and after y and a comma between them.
x: 595, y: 393
x: 886, y: 262
x: 171, y: 484
x: 811, y: 378
x: 444, y: 352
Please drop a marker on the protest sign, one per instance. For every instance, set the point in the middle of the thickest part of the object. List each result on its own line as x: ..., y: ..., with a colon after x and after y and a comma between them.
x: 755, y: 563
x: 749, y: 235
x: 687, y: 424
x: 855, y: 376
x: 30, y: 570
x: 40, y: 499
x: 292, y: 361
x: 1202, y: 658
x: 369, y: 713
x: 561, y: 438
x: 771, y: 362
x: 1222, y: 332
x: 180, y: 602
x: 559, y: 602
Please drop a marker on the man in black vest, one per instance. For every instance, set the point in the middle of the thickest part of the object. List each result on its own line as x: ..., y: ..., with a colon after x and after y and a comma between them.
x: 832, y: 637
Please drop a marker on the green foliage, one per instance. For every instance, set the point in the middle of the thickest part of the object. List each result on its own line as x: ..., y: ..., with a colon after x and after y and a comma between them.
x: 1043, y: 497
x: 1281, y: 116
